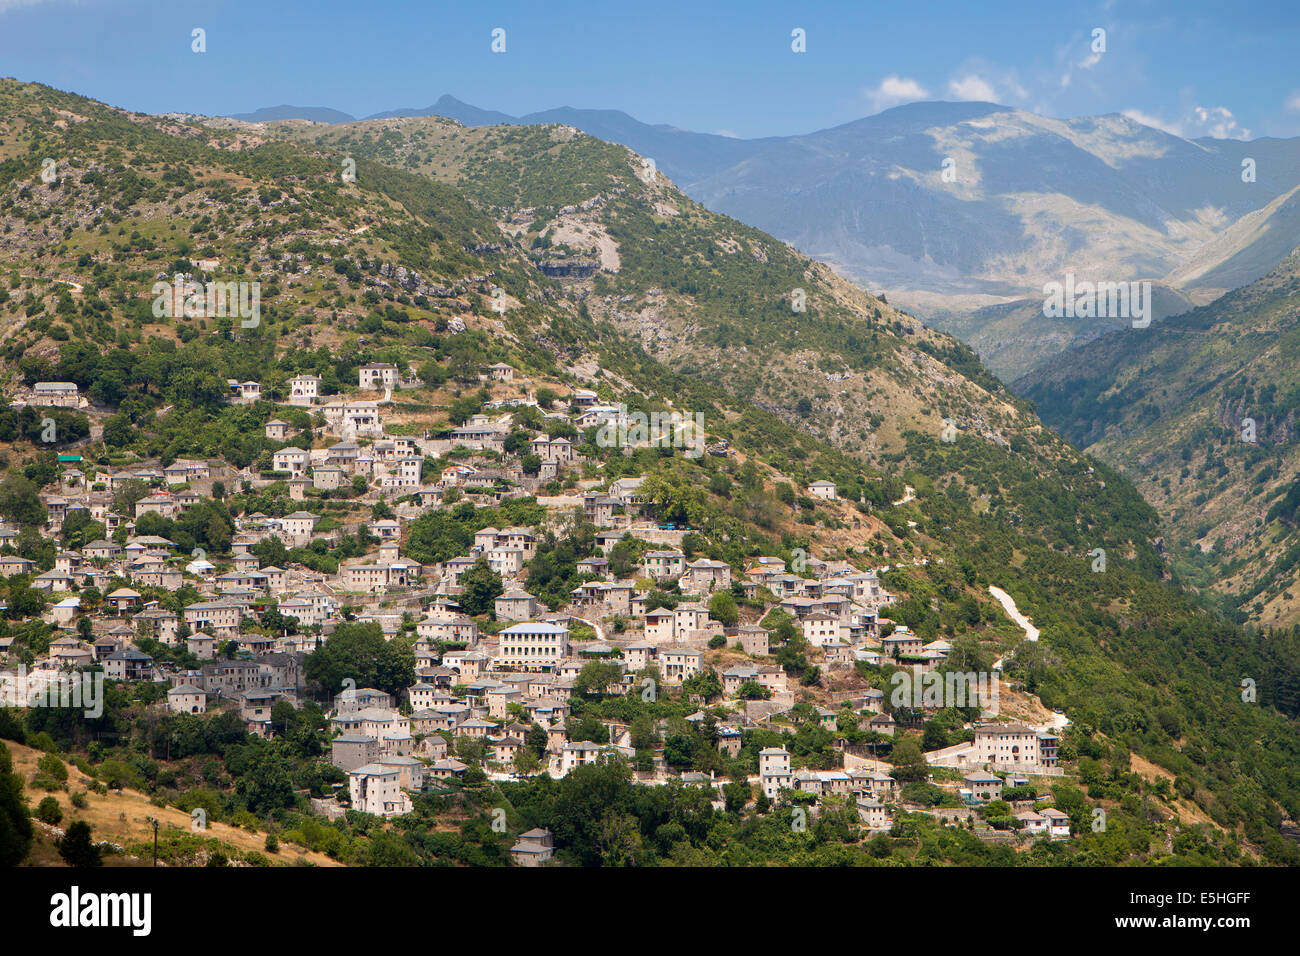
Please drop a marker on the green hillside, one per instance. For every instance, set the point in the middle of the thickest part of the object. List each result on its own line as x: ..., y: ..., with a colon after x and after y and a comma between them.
x: 1202, y: 414
x: 457, y: 248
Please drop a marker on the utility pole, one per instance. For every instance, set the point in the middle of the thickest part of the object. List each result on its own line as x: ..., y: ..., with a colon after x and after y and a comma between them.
x: 154, y: 821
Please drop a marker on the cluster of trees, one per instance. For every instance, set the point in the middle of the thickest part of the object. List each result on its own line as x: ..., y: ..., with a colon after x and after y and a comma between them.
x: 44, y: 427
x: 437, y: 536
x: 359, y: 652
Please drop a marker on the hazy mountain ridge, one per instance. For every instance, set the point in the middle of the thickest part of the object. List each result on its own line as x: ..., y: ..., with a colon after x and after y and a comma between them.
x: 1032, y: 198
x: 316, y: 114
x: 1014, y: 338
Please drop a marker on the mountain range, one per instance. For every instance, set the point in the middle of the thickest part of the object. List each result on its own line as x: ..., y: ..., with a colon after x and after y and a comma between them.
x: 962, y: 211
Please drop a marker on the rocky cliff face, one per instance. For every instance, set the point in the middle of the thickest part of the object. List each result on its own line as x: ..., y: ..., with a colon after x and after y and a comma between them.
x: 569, y: 268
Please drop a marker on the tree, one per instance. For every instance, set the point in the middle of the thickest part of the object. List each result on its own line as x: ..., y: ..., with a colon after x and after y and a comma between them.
x: 127, y: 494
x: 587, y: 727
x: 20, y: 500
x: 586, y: 795
x: 462, y: 408
x: 722, y: 607
x: 271, y: 552
x: 78, y: 849
x: 908, y: 760
x: 643, y: 733
x: 389, y: 849
x: 675, y: 499
x: 625, y: 556
x: 79, y: 529
x: 596, y: 677
x: 53, y: 768
x: 25, y: 602
x: 536, y: 739
x: 517, y: 441
x: 705, y: 684
x: 526, y: 762
x: 358, y: 651
x: 679, y: 750
x: 480, y: 587
x: 618, y: 839
x: 737, y: 795
x: 265, y: 785
x: 934, y: 736
x: 118, y: 431
x: 15, y: 824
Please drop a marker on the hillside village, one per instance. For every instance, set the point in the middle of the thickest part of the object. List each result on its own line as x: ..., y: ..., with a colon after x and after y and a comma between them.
x: 530, y: 520
x: 492, y: 690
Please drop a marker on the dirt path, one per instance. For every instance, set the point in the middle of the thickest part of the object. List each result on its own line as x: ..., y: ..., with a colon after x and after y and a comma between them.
x: 76, y: 286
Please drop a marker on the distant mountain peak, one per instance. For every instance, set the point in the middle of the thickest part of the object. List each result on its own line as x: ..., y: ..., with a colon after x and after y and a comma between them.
x: 456, y: 109
x: 317, y: 114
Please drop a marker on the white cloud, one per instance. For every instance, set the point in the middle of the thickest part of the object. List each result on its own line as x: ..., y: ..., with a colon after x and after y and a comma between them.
x: 1155, y: 122
x: 1218, y: 122
x: 1066, y: 54
x: 893, y: 90
x: 972, y: 87
x: 1293, y: 101
x: 1213, y: 121
x: 1087, y: 63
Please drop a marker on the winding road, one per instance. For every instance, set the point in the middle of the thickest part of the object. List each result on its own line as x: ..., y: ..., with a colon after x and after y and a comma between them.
x: 1009, y: 605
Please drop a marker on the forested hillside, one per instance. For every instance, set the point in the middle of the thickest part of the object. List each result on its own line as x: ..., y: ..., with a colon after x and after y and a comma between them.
x: 1201, y: 413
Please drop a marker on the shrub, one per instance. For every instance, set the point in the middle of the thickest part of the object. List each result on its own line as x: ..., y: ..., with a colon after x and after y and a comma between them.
x: 54, y: 768
x: 77, y: 848
x: 49, y: 811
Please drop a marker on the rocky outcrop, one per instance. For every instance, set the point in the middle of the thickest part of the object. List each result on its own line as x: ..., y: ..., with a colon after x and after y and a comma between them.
x: 569, y: 268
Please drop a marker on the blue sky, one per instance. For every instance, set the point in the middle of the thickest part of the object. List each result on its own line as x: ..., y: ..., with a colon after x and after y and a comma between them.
x: 1196, y: 68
